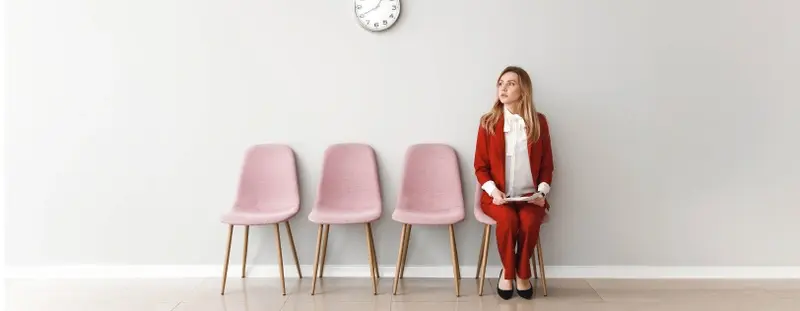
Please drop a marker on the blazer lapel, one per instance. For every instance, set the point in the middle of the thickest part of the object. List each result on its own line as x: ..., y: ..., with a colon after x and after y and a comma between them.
x: 500, y: 136
x: 535, y: 174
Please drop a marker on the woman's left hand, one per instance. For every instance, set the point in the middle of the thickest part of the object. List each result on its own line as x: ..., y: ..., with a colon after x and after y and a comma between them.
x: 539, y: 201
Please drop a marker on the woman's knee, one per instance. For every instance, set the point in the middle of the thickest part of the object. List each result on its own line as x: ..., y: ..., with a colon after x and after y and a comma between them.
x: 530, y: 221
x: 510, y: 221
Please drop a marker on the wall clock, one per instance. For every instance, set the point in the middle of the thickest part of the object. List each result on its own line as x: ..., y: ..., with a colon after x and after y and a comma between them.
x: 377, y: 15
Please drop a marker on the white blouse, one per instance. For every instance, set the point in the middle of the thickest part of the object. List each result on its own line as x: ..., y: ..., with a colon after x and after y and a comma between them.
x: 519, y: 180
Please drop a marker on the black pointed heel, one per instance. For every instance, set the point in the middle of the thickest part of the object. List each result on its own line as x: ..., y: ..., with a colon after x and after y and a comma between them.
x: 528, y: 293
x: 505, y: 294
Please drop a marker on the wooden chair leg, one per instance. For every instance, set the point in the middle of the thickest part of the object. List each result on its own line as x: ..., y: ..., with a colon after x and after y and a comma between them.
x: 294, y: 249
x: 405, y: 251
x: 280, y: 257
x: 480, y: 256
x: 487, y: 231
x: 370, y: 252
x: 316, y: 260
x: 454, y: 254
x: 399, y: 259
x: 244, y: 256
x: 324, y: 250
x: 374, y: 255
x: 541, y: 265
x: 227, y: 259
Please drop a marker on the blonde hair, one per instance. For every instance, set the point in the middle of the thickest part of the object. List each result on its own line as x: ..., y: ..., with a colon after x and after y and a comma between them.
x: 526, y: 108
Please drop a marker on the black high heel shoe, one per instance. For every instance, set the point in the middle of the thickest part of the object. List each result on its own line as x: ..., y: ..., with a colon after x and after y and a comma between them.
x: 505, y: 294
x: 528, y: 293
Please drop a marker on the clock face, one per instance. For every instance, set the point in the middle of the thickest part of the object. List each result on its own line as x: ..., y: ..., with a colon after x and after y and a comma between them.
x: 377, y: 15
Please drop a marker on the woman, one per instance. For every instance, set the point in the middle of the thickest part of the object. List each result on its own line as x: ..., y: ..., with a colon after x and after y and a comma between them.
x: 513, y: 159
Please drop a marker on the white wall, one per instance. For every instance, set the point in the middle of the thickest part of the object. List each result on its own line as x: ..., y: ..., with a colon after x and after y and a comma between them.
x: 672, y: 120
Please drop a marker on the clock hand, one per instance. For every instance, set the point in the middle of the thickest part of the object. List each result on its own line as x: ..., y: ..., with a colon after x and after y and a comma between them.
x: 373, y: 9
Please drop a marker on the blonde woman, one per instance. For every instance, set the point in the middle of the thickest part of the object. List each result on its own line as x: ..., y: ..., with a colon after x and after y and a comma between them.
x: 514, y: 165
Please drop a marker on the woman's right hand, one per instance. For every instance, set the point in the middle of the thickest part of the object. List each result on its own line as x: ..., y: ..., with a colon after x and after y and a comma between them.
x: 498, y: 197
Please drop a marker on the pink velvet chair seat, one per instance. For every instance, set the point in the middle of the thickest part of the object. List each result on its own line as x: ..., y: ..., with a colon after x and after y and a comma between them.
x: 278, y: 215
x: 358, y: 215
x: 444, y: 216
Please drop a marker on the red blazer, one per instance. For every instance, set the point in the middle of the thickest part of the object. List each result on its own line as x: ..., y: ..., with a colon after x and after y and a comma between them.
x: 490, y: 157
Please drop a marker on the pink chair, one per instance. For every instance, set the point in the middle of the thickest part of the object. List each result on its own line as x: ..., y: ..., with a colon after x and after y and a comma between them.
x: 268, y: 194
x: 349, y: 193
x: 487, y: 231
x: 430, y: 194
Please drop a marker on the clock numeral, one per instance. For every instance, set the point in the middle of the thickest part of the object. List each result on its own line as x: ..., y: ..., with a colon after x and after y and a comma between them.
x: 367, y: 22
x: 376, y: 25
x: 384, y: 22
x: 394, y: 7
x: 391, y: 15
x: 358, y: 7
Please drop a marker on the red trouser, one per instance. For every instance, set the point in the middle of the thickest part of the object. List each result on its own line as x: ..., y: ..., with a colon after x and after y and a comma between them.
x: 518, y: 225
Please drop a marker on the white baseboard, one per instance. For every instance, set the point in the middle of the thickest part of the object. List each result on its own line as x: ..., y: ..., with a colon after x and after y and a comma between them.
x: 207, y: 271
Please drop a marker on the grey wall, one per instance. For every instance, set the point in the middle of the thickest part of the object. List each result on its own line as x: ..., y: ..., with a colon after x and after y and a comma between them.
x: 672, y: 120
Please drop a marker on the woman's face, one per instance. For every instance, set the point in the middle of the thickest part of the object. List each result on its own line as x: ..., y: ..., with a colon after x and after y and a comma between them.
x: 508, y: 90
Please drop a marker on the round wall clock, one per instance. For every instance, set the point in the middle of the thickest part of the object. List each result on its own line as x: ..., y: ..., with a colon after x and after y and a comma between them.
x: 377, y: 15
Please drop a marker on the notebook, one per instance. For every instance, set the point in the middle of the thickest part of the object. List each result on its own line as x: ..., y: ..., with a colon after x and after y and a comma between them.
x: 524, y: 199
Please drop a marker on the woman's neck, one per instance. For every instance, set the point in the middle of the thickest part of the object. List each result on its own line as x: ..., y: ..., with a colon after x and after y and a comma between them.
x: 511, y: 107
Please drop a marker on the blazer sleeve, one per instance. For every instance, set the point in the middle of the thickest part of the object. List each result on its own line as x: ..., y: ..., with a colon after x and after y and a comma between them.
x: 546, y: 167
x: 481, y: 164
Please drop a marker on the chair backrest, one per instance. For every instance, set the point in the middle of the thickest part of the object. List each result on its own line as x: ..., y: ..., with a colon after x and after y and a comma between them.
x: 349, y: 178
x: 431, y: 179
x: 477, y: 203
x: 268, y: 179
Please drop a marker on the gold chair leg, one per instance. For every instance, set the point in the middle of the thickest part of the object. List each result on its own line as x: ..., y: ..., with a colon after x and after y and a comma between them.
x: 370, y: 252
x: 533, y: 267
x: 244, y: 256
x: 487, y: 231
x: 405, y: 251
x: 480, y: 256
x: 227, y: 259
x: 454, y: 254
x: 374, y: 256
x: 324, y: 250
x: 294, y: 249
x: 399, y: 259
x: 541, y: 265
x: 280, y: 257
x: 316, y: 260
